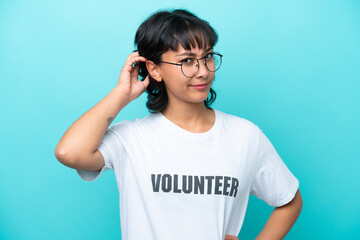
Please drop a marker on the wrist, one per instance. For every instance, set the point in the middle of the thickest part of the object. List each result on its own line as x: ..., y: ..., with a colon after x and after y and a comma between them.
x: 122, y: 97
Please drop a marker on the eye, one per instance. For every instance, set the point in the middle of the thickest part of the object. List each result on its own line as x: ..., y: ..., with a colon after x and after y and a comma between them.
x: 209, y: 55
x: 187, y: 60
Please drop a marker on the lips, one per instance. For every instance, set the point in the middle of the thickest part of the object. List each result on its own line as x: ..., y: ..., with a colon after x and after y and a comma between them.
x: 201, y: 85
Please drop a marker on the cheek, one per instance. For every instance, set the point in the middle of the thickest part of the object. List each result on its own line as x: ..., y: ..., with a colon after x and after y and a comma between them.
x: 176, y: 85
x: 212, y: 76
x: 175, y: 80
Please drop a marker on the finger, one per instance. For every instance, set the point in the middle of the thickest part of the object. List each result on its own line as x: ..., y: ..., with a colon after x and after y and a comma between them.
x: 134, y: 54
x: 129, y: 64
x: 146, y: 81
x: 136, y: 59
x: 135, y: 72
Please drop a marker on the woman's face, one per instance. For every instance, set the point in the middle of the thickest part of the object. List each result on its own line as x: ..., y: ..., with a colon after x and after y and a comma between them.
x: 179, y: 87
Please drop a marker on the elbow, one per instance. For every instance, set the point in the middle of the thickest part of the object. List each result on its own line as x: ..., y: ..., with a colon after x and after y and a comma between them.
x: 63, y: 157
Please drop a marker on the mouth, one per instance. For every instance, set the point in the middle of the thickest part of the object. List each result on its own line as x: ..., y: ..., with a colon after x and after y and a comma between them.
x: 200, y: 86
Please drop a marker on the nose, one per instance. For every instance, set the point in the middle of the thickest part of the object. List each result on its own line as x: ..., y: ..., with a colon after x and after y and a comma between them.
x: 203, y: 71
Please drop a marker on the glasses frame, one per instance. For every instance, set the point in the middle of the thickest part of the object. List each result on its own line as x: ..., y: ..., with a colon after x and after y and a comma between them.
x: 198, y: 64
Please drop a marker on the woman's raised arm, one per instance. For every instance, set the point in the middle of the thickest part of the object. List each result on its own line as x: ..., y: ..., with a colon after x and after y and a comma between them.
x: 78, y: 146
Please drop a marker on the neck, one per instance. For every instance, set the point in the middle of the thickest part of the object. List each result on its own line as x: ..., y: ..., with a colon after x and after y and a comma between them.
x: 194, y: 117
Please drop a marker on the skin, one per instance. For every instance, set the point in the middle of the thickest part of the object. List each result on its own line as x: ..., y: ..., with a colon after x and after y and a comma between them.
x: 282, y: 219
x: 186, y: 106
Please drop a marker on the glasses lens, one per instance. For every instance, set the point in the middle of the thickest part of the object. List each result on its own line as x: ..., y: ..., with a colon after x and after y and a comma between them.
x: 190, y: 67
x: 213, y: 62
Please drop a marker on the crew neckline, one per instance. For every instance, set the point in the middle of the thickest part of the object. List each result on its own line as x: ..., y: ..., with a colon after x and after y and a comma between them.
x: 185, y: 132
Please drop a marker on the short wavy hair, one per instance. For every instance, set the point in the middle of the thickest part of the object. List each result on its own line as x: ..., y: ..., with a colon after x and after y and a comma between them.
x: 163, y: 31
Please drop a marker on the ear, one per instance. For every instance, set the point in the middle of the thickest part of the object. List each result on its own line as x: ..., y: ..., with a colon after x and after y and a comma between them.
x: 153, y: 70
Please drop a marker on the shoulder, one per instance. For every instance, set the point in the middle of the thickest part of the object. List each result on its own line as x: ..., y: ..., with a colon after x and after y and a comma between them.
x: 239, y: 132
x: 130, y: 125
x: 237, y: 123
x: 120, y: 126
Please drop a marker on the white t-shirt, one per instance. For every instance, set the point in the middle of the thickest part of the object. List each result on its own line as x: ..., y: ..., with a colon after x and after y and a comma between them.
x: 175, y: 184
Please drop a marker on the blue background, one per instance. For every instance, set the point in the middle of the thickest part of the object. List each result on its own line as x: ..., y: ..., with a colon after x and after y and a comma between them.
x: 290, y: 66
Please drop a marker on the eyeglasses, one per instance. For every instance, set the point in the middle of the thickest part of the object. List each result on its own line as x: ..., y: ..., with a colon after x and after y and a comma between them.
x: 190, y: 66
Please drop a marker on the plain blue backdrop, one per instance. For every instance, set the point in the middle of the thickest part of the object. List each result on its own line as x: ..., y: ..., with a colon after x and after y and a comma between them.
x: 290, y: 66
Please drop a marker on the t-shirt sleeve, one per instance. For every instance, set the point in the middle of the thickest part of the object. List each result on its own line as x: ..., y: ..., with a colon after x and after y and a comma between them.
x: 112, y: 149
x: 273, y: 182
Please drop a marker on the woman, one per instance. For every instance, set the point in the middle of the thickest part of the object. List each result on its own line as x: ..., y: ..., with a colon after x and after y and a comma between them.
x: 186, y: 170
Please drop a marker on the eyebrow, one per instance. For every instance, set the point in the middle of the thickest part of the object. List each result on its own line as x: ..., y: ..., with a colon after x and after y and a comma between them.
x: 188, y: 53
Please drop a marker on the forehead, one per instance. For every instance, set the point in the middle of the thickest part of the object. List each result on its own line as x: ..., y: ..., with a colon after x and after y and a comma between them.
x: 181, y: 52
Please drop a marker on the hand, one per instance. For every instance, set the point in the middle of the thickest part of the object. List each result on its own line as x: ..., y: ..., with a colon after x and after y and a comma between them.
x: 230, y: 237
x: 128, y: 82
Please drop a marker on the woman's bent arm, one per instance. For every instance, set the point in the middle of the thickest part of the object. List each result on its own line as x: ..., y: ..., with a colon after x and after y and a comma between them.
x: 78, y: 146
x: 282, y: 219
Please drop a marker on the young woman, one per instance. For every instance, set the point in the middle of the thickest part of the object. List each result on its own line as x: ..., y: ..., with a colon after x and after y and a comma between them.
x: 186, y: 170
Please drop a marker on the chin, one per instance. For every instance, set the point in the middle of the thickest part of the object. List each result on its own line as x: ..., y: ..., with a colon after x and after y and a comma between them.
x: 200, y: 99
